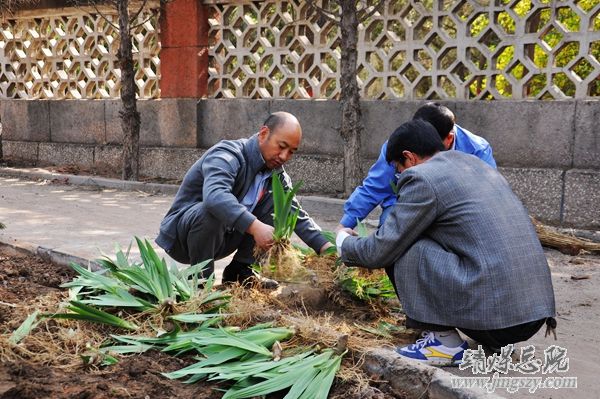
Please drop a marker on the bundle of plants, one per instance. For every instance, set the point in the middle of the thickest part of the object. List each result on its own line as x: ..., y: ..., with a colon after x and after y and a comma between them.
x: 282, y: 261
x: 370, y: 285
x: 58, y: 343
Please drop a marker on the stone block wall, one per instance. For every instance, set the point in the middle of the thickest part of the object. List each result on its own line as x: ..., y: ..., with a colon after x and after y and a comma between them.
x: 548, y: 151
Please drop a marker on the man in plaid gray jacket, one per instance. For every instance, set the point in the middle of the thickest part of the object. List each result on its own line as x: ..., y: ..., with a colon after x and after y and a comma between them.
x: 460, y: 249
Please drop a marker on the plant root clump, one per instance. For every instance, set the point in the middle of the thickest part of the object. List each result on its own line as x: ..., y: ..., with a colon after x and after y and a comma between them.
x: 282, y: 262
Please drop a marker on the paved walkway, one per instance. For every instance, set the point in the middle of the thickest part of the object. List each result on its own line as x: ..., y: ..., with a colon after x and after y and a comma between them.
x: 89, y: 221
x: 85, y: 221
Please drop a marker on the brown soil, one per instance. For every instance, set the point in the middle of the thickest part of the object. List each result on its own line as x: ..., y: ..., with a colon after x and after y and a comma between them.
x: 24, y: 282
x: 27, y: 283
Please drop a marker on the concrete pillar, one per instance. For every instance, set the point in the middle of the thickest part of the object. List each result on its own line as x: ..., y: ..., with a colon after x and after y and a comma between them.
x: 184, y: 52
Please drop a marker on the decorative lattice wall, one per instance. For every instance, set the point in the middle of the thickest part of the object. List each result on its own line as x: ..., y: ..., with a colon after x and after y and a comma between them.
x: 464, y: 49
x: 73, y: 55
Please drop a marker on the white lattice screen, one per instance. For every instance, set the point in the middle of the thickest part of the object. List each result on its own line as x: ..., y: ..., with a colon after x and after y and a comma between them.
x: 73, y: 55
x: 464, y: 49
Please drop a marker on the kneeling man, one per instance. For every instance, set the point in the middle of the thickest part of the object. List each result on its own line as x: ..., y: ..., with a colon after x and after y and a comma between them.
x: 225, y: 202
x: 460, y: 249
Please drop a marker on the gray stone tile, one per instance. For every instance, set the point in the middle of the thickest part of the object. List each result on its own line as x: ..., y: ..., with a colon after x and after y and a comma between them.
x: 540, y: 190
x: 319, y: 174
x: 24, y: 120
x: 582, y: 196
x: 168, y: 163
x: 77, y: 121
x: 112, y: 120
x: 168, y: 122
x: 62, y: 154
x: 224, y: 119
x: 109, y: 156
x: 320, y: 121
x: 523, y: 133
x: 587, y: 140
x: 25, y: 150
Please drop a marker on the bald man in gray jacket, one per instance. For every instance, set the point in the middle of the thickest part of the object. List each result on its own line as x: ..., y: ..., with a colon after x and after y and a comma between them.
x: 224, y: 203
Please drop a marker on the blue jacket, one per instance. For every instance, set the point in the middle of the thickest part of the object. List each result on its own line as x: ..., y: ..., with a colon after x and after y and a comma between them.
x: 377, y: 189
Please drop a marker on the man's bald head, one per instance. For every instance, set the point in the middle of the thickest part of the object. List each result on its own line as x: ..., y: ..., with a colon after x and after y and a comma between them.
x: 280, y: 119
x: 279, y: 138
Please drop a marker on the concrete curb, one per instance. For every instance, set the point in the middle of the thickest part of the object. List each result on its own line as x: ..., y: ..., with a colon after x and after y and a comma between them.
x: 93, y: 181
x: 415, y: 380
x: 57, y: 258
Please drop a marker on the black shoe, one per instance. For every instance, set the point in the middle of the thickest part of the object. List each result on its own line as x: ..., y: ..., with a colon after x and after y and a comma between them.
x: 242, y: 273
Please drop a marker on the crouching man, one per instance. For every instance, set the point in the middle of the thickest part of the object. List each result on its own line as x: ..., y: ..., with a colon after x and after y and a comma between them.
x: 224, y: 203
x: 460, y: 249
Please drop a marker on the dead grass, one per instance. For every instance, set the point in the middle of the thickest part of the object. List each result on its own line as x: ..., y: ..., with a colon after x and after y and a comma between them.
x: 54, y: 342
x: 567, y: 244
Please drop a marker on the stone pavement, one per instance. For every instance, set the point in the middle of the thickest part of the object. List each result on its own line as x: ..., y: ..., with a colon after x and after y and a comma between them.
x: 57, y: 213
x: 87, y: 221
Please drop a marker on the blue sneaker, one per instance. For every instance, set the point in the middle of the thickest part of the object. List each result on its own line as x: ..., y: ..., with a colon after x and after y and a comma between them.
x: 431, y: 351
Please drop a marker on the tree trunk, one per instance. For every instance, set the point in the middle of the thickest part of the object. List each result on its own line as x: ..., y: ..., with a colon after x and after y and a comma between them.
x: 351, y: 126
x: 130, y: 117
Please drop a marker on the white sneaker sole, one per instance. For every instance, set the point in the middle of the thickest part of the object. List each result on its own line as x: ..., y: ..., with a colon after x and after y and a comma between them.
x: 436, y: 361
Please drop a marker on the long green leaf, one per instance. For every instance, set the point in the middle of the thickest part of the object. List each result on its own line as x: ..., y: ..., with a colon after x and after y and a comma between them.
x: 323, y: 381
x: 284, y: 220
x: 195, y: 317
x: 286, y: 377
x: 95, y: 280
x: 82, y: 311
x: 25, y: 328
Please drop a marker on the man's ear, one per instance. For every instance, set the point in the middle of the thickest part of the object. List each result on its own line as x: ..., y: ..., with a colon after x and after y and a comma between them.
x: 263, y: 133
x: 448, y: 140
x: 409, y: 157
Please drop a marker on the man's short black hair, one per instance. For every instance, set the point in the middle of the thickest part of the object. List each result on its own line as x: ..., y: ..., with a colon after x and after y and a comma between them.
x: 416, y: 136
x: 274, y: 121
x: 438, y: 115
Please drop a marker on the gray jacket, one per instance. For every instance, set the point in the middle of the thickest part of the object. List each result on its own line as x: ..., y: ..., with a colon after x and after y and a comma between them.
x: 220, y: 179
x: 464, y: 251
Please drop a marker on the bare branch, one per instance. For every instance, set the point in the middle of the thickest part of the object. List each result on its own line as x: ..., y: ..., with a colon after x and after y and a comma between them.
x: 136, y: 15
x: 376, y: 8
x: 323, y: 12
x: 132, y: 27
x: 10, y: 6
x: 104, y: 16
x: 94, y: 3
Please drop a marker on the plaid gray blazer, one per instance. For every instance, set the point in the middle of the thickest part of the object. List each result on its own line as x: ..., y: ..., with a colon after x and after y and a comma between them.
x: 464, y: 251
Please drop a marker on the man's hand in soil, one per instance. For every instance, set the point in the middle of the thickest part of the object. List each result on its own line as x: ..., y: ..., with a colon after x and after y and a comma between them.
x: 262, y: 233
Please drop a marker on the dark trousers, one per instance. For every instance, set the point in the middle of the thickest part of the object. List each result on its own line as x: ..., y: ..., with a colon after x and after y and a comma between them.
x: 201, y: 236
x: 494, y: 339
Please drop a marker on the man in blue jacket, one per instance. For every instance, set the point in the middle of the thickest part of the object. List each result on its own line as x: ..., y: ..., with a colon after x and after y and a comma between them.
x: 224, y: 203
x: 377, y: 186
